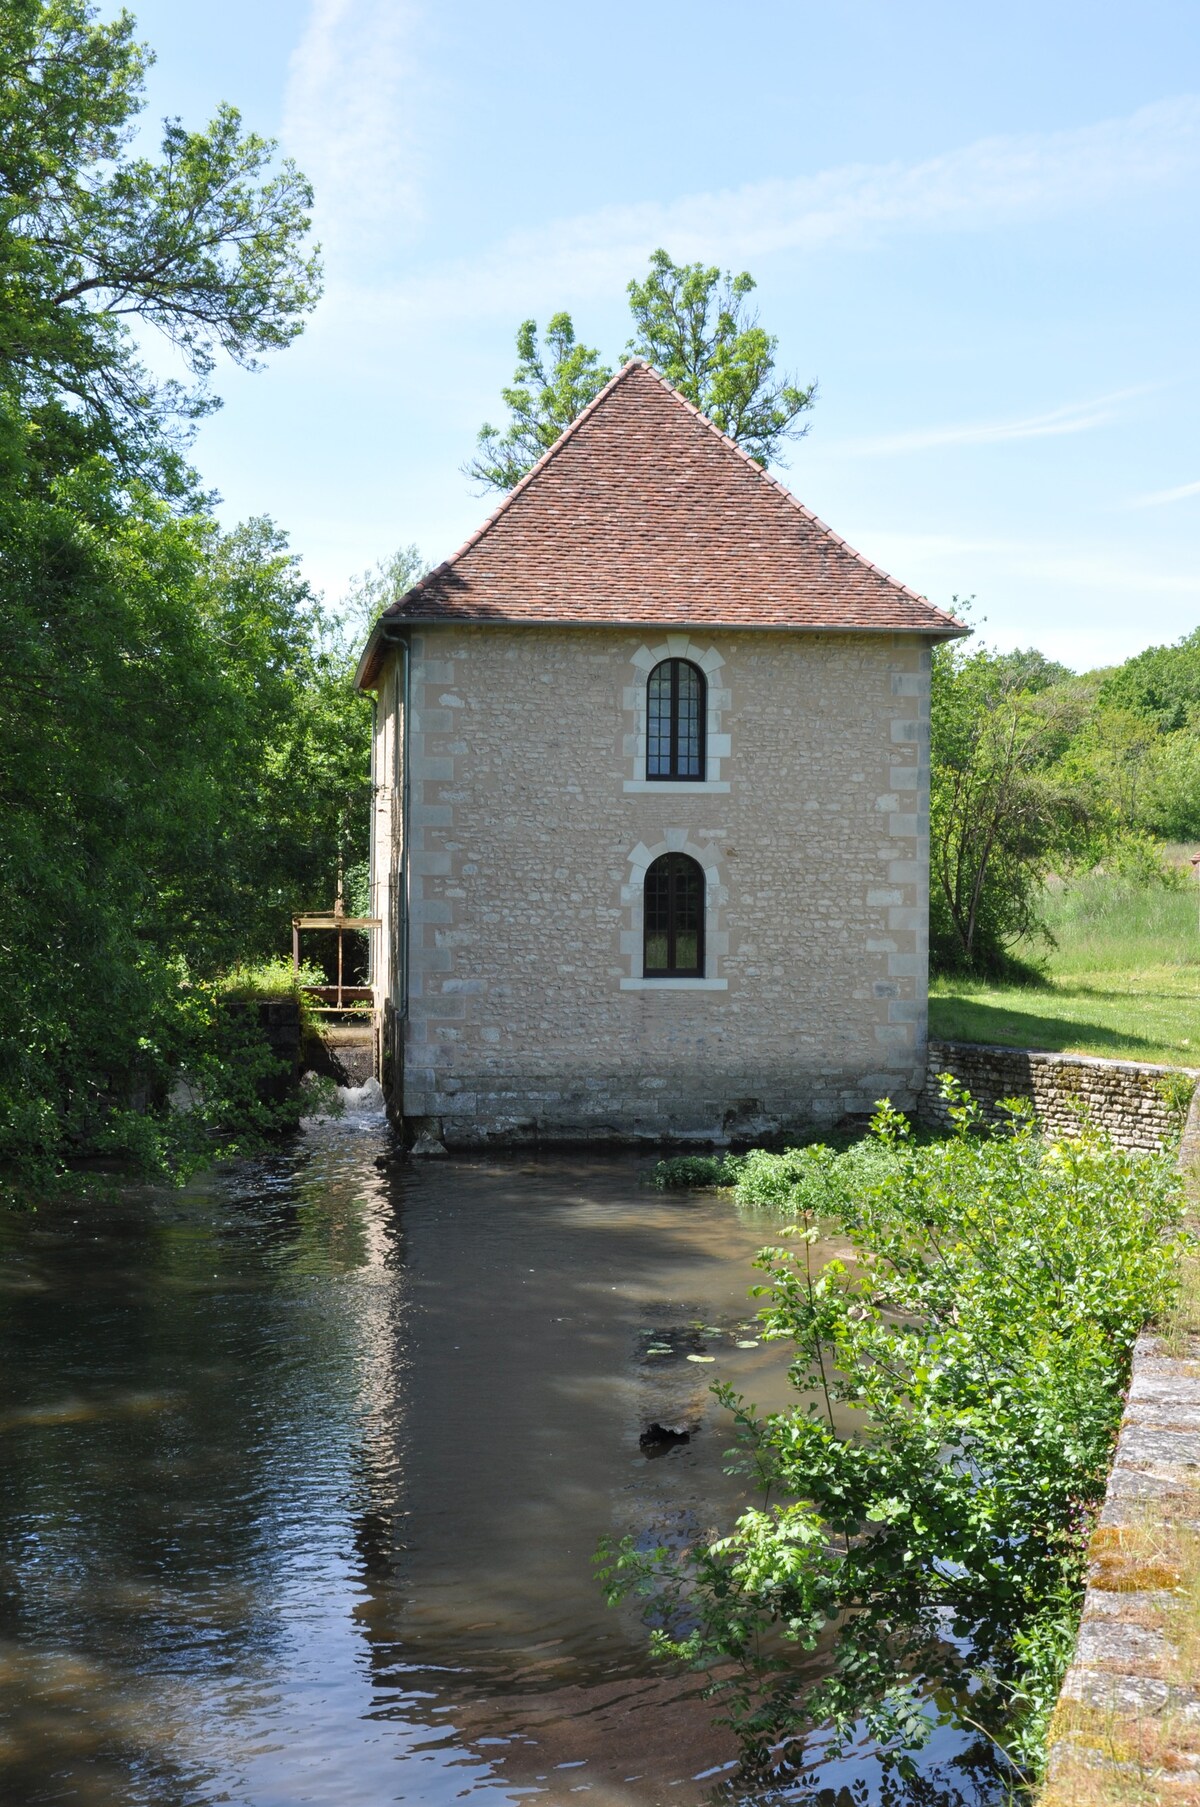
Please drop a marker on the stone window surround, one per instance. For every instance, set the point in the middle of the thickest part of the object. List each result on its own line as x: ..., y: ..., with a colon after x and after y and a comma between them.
x: 710, y: 662
x: 716, y: 940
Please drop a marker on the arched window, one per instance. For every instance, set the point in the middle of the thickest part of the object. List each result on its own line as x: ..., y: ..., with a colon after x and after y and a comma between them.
x: 673, y: 919
x: 675, y: 710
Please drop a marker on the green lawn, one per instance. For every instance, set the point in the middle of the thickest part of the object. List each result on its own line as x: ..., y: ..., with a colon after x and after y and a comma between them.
x: 1123, y: 981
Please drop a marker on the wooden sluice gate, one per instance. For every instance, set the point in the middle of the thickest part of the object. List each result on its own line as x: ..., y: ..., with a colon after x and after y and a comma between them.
x: 348, y: 1023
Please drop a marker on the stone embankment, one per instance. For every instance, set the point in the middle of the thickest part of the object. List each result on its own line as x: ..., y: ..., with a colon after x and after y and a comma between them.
x: 1126, y: 1732
x: 1139, y: 1106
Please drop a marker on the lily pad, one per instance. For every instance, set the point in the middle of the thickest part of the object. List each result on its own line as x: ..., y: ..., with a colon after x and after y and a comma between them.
x: 748, y: 1343
x: 702, y: 1358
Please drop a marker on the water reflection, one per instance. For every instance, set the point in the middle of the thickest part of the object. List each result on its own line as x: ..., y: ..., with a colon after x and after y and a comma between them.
x: 302, y: 1471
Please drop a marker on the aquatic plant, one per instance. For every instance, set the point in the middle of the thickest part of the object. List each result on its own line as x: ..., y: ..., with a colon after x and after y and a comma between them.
x: 926, y: 1503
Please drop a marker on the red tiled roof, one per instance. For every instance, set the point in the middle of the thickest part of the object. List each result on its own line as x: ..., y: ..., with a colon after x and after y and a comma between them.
x: 644, y: 512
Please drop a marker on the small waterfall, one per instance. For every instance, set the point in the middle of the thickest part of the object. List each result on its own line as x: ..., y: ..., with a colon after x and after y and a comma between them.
x: 356, y: 1107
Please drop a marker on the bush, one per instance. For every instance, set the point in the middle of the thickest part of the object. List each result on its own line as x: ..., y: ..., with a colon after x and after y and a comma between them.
x: 693, y: 1171
x: 961, y: 1383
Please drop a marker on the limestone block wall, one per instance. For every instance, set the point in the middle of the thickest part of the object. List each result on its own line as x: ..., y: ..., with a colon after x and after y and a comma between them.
x: 1123, y: 1097
x: 522, y: 1008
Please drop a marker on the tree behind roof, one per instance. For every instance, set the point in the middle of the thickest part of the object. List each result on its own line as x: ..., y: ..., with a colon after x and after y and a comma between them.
x: 693, y: 325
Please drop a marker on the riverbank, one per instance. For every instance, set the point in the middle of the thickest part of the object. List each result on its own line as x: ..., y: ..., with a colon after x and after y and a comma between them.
x: 1126, y: 1732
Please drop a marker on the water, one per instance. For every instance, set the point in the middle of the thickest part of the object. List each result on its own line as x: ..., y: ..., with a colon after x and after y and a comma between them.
x: 301, y: 1473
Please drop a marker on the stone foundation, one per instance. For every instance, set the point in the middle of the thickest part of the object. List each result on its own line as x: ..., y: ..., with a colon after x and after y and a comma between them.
x: 1132, y: 1102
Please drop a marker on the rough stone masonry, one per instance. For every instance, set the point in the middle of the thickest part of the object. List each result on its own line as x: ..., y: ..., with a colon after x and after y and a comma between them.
x: 1127, y: 1726
x: 1137, y: 1105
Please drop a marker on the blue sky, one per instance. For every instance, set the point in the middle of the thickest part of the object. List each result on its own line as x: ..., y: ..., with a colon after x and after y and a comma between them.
x: 976, y: 227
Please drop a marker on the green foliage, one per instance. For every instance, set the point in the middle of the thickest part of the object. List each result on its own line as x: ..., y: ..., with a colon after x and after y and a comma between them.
x: 206, y: 243
x: 684, y: 1172
x: 1142, y: 862
x: 1003, y: 810
x: 694, y: 326
x: 961, y: 1383
x: 273, y: 981
x: 543, y: 400
x: 1176, y: 1091
x: 182, y: 760
x: 1161, y: 684
x: 370, y: 593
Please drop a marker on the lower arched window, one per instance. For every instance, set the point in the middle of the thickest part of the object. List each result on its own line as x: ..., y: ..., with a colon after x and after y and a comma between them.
x: 673, y: 919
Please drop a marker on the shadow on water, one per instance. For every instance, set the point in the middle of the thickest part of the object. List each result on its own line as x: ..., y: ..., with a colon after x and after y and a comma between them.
x: 302, y: 1472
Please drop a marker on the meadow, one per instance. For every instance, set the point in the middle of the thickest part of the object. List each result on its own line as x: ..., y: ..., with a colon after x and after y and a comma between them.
x: 1120, y: 979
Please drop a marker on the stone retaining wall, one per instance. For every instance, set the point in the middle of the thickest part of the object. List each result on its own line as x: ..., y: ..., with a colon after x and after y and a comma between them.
x: 1122, y: 1097
x: 1127, y: 1726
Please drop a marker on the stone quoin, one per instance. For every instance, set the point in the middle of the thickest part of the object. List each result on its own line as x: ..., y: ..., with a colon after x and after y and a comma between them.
x: 650, y: 821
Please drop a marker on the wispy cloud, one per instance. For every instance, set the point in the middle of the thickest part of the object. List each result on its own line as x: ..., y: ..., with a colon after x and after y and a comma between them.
x: 347, y: 119
x: 1077, y: 417
x: 974, y: 188
x: 992, y: 566
x: 1160, y: 496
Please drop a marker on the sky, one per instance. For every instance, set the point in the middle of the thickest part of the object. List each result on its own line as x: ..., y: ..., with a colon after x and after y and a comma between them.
x: 975, y: 227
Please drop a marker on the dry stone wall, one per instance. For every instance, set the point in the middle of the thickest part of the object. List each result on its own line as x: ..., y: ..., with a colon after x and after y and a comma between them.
x: 1132, y: 1102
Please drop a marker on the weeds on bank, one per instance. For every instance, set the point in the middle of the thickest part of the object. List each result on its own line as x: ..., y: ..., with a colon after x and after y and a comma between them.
x: 925, y: 1505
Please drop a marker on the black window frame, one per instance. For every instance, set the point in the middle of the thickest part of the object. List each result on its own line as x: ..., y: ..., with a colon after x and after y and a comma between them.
x: 675, y: 866
x: 685, y: 764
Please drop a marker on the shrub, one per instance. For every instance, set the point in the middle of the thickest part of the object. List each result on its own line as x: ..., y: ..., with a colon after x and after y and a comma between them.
x: 693, y: 1171
x: 931, y: 1493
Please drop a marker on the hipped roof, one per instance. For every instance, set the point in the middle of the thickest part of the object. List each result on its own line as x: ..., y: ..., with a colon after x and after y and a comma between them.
x: 642, y: 512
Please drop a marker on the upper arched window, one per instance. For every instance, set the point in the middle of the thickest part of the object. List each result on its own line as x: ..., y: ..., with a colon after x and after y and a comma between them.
x: 675, y: 711
x: 673, y: 918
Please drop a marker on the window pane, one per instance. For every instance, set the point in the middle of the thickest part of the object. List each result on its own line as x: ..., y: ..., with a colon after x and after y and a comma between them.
x: 656, y: 953
x: 686, y: 950
x: 658, y: 700
x: 688, y: 728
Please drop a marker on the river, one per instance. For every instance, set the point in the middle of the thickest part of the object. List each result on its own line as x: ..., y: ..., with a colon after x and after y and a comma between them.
x: 302, y: 1470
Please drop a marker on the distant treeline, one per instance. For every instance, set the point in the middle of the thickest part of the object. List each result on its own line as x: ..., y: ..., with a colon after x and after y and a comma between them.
x: 1036, y: 769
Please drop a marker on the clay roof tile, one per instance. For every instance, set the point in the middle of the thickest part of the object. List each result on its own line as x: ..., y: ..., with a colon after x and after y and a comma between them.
x: 642, y: 511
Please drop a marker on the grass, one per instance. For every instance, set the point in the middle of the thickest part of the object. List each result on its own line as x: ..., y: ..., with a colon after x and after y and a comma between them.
x: 1123, y: 979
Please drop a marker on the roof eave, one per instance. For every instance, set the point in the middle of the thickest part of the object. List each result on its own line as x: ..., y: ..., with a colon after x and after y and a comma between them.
x: 950, y: 629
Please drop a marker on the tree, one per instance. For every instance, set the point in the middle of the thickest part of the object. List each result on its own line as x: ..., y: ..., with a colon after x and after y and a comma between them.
x: 178, y: 752
x: 542, y: 399
x: 370, y: 593
x: 1162, y: 684
x: 206, y: 244
x: 693, y: 326
x: 1002, y: 808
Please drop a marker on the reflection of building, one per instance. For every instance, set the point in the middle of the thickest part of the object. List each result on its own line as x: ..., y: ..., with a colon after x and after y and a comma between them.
x: 650, y: 830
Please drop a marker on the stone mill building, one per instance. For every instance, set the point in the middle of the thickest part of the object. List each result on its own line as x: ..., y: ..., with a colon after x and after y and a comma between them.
x: 650, y: 829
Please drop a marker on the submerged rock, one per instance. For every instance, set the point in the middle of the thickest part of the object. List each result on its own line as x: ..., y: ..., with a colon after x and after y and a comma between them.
x: 426, y: 1145
x: 657, y: 1438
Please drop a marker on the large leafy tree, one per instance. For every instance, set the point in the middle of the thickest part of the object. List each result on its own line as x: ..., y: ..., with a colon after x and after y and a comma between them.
x: 179, y: 751
x: 693, y: 324
x: 205, y: 243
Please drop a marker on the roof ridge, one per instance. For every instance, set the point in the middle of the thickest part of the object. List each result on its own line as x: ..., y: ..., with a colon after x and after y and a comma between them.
x: 568, y: 432
x: 785, y: 492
